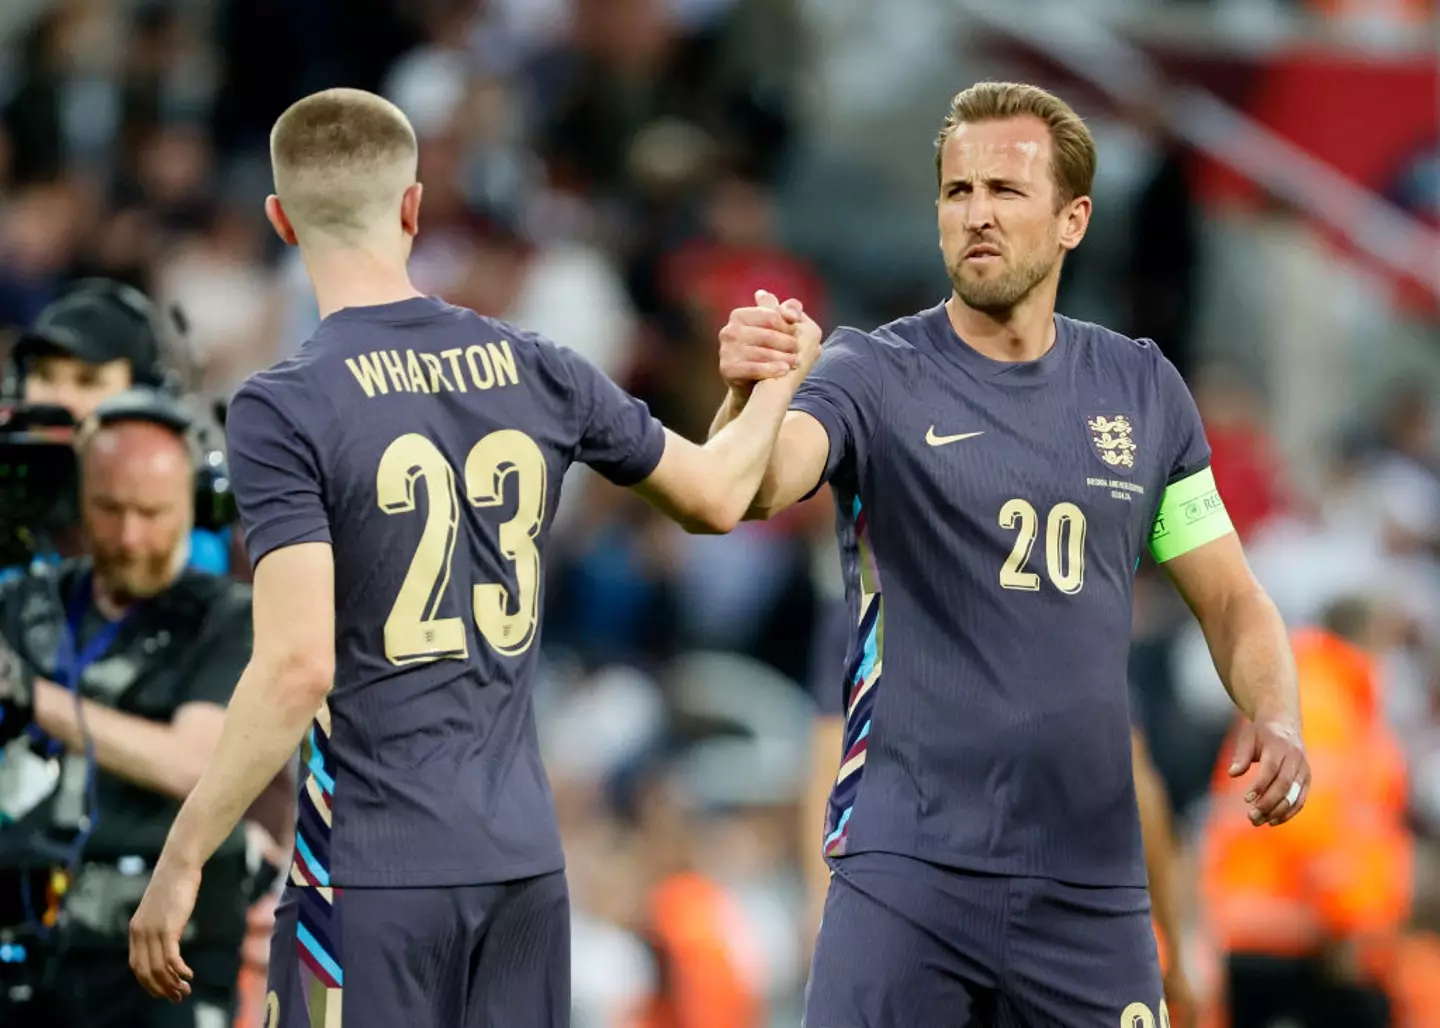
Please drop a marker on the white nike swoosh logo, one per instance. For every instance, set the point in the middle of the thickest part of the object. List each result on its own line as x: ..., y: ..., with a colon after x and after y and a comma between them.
x: 942, y: 440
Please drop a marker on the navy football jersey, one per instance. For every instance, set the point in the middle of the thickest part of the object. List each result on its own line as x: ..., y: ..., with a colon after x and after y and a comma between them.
x: 991, y: 518
x: 427, y: 444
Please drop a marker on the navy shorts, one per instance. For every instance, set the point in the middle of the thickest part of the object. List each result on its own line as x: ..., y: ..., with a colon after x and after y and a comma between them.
x: 479, y: 956
x: 906, y: 944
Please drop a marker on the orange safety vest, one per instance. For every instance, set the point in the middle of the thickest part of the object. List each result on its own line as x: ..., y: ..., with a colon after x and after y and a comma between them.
x: 1344, y: 866
x: 693, y: 923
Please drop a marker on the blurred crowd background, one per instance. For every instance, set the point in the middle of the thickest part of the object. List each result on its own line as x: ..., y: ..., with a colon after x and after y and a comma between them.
x: 618, y: 174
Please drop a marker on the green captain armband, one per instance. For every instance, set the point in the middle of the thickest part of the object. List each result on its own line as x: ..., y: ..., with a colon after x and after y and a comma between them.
x: 1191, y: 514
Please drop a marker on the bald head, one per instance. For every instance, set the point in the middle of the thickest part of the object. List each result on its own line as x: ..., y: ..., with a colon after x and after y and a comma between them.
x: 344, y: 161
x: 148, y: 454
x: 138, y: 505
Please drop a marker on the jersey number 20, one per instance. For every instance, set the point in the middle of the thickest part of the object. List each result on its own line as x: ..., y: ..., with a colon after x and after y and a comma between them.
x: 1064, y: 546
x: 413, y: 633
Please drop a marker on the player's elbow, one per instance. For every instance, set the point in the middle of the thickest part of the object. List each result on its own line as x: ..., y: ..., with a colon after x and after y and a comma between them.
x: 713, y: 515
x: 308, y: 676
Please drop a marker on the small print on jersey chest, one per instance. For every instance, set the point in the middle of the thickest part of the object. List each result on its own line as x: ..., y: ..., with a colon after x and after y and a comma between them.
x: 1116, y: 446
x: 1054, y: 488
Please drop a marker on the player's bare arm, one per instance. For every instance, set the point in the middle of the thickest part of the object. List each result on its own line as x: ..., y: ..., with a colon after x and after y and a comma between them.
x: 755, y: 345
x: 710, y: 488
x: 288, y: 677
x: 1251, y: 650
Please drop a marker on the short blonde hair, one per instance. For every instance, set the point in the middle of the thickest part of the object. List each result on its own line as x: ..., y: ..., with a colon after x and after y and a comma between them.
x: 1072, y: 164
x: 342, y: 158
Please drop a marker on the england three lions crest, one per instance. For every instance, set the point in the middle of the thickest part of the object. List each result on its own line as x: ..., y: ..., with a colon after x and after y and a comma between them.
x: 1112, y: 437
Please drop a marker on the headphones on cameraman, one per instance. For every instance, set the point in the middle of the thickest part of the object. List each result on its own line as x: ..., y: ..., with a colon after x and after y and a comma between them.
x: 157, y: 395
x: 214, y: 500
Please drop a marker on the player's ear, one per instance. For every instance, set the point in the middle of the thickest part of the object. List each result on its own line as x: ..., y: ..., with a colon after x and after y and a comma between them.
x: 1074, y: 220
x: 410, y: 209
x: 276, y: 214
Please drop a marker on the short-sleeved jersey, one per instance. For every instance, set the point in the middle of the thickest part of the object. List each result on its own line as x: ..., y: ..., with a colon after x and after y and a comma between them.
x: 991, y: 519
x: 427, y: 445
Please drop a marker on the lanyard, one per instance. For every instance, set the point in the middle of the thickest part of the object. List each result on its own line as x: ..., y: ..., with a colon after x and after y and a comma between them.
x: 70, y: 662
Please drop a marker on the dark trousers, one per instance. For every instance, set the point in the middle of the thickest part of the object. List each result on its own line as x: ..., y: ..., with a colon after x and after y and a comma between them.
x: 1264, y: 990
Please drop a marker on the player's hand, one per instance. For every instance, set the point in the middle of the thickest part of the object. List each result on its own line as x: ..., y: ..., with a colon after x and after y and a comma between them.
x: 1282, y: 781
x: 808, y: 337
x: 760, y: 342
x: 155, y: 930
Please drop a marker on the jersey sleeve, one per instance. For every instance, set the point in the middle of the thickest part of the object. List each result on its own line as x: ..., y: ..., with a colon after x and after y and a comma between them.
x: 1191, y: 512
x: 275, y: 473
x: 1185, y: 440
x: 617, y: 434
x: 842, y: 392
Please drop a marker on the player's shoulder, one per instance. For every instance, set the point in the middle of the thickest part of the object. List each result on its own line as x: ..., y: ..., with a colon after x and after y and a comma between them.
x: 894, y: 339
x: 557, y: 368
x: 281, y: 387
x: 1113, y: 351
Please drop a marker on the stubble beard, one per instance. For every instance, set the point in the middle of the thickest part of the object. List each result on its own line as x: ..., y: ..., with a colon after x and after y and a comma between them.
x: 1000, y: 295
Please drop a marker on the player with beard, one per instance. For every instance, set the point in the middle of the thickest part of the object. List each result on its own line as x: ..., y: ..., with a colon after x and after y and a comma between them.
x: 999, y: 470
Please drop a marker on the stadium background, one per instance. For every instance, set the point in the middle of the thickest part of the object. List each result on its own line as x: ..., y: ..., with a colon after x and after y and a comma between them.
x: 617, y: 174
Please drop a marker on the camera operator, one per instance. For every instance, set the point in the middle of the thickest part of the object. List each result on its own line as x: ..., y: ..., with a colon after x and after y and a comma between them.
x: 134, y: 658
x: 98, y: 338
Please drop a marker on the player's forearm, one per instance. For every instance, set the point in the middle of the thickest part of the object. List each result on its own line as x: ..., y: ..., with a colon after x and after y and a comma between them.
x: 1251, y: 650
x: 743, y: 446
x: 149, y: 754
x: 728, y: 412
x: 272, y: 707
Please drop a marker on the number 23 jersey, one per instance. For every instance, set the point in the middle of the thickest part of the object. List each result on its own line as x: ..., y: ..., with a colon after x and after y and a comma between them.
x: 991, y: 517
x: 427, y: 445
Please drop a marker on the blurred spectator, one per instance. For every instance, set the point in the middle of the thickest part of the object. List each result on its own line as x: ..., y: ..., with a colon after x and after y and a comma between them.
x: 691, y: 924
x: 39, y: 232
x: 1247, y: 466
x: 629, y: 64
x: 1164, y: 254
x: 1304, y: 914
x: 231, y: 302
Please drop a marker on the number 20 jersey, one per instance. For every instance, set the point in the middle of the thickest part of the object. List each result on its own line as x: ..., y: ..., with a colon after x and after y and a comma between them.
x: 991, y: 517
x: 427, y: 445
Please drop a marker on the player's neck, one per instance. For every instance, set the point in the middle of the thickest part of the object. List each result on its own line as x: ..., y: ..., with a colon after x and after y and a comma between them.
x: 356, y: 278
x: 1025, y: 333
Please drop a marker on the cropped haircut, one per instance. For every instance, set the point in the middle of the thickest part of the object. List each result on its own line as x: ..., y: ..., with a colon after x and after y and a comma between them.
x: 1072, y: 163
x: 342, y: 158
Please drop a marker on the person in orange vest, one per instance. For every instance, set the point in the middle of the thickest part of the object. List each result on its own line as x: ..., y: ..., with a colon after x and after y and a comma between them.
x: 691, y: 923
x: 1305, y: 914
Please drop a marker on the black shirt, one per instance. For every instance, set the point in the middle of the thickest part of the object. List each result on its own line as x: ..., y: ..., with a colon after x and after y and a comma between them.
x: 187, y: 644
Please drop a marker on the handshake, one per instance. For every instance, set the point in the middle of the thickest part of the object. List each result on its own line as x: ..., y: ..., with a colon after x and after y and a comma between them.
x: 770, y: 340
